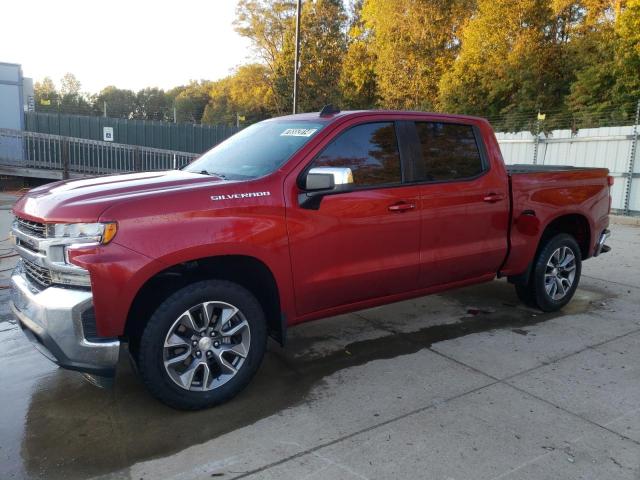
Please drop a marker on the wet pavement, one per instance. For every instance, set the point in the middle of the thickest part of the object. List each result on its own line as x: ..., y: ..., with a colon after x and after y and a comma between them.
x: 468, y: 384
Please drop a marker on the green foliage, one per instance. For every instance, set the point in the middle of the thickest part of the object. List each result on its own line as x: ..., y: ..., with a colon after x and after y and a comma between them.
x: 153, y: 104
x: 191, y: 101
x: 45, y: 95
x: 120, y: 103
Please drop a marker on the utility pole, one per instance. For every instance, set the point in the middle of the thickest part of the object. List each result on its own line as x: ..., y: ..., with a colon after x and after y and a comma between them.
x: 104, y: 111
x: 632, y: 160
x: 297, y: 59
x: 175, y: 117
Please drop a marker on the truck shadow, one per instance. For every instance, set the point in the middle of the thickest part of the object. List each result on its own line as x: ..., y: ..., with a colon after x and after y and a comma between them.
x: 73, y: 429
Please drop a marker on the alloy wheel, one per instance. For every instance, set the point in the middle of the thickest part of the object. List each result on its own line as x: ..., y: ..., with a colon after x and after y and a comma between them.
x: 560, y: 273
x: 206, y: 346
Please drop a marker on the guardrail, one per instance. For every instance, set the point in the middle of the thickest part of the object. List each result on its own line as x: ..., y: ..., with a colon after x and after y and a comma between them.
x: 56, y: 156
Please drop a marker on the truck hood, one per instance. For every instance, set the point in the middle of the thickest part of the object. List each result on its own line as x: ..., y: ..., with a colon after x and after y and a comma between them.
x: 84, y: 200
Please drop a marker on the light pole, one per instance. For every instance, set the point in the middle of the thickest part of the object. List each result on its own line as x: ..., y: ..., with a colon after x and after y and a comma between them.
x: 296, y: 60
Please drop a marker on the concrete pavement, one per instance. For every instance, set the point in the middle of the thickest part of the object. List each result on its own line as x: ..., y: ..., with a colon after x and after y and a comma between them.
x: 465, y: 385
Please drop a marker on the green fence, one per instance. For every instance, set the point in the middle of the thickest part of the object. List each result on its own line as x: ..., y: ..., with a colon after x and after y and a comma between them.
x: 184, y: 137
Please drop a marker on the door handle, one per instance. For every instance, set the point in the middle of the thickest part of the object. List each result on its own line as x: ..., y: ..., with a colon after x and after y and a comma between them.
x: 401, y: 207
x: 493, y: 197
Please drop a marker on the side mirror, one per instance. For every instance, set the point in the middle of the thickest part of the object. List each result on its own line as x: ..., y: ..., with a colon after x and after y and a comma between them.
x: 325, y: 178
x: 321, y: 181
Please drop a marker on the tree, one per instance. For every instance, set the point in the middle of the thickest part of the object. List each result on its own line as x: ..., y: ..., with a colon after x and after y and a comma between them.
x: 246, y: 92
x: 267, y: 23
x: 607, y: 83
x: 46, y: 96
x: 627, y: 88
x: 191, y: 101
x: 415, y: 41
x: 120, y: 103
x: 511, y: 63
x: 153, y: 104
x: 71, y: 99
x: 358, y: 82
x: 270, y: 25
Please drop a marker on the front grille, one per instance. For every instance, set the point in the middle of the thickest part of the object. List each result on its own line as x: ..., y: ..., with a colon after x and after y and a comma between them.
x: 39, y: 275
x: 35, y: 229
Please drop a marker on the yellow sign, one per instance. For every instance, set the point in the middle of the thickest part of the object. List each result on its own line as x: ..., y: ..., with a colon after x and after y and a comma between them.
x: 542, y: 116
x: 241, y: 118
x: 45, y: 102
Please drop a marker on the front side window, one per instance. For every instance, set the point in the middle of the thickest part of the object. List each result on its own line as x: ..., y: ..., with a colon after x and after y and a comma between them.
x: 369, y: 150
x: 257, y: 150
x: 449, y: 151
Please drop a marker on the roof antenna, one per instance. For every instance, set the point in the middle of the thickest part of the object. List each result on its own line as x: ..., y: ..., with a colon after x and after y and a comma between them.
x: 328, y: 110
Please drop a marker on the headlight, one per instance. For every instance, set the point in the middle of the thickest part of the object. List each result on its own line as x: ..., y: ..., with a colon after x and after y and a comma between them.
x: 98, y: 232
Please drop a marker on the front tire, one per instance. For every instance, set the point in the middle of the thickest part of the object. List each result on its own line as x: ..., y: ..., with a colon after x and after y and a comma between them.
x: 202, y: 345
x: 555, y: 274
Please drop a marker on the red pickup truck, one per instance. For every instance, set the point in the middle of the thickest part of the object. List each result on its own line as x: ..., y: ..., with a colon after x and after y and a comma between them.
x: 292, y: 219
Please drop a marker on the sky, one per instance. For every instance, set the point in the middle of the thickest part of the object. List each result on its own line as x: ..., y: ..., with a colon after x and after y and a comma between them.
x: 130, y: 44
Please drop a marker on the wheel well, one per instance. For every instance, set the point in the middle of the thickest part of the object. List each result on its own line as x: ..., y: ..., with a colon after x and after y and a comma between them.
x: 249, y: 272
x: 575, y: 225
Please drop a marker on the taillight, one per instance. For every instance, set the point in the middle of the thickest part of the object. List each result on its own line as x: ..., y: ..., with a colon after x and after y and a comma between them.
x: 610, y: 180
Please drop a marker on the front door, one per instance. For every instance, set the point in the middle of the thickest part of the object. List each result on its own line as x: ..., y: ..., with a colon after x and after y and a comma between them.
x: 362, y: 243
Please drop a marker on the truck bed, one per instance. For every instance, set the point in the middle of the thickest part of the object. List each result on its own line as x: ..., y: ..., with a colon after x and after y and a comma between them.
x: 541, y: 193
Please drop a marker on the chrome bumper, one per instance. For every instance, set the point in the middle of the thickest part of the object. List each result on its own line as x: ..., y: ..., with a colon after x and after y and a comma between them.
x: 600, y: 246
x: 52, y: 319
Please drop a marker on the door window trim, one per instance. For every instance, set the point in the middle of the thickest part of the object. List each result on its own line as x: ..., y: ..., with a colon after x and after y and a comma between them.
x: 417, y: 157
x: 355, y: 188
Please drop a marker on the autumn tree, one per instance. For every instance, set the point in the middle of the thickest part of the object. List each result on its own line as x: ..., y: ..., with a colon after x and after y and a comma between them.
x: 270, y: 25
x: 509, y: 64
x: 45, y: 95
x: 358, y: 82
x: 267, y: 24
x: 415, y: 42
x: 627, y: 88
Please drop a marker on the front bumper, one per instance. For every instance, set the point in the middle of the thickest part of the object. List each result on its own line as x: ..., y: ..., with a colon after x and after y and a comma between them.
x: 52, y: 319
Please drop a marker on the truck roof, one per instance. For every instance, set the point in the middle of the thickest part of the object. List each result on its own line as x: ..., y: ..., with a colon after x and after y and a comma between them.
x: 315, y: 116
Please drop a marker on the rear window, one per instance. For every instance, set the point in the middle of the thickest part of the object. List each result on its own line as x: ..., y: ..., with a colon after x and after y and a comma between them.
x: 449, y: 151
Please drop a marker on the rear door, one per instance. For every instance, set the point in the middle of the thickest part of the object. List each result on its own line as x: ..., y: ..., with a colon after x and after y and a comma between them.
x: 362, y: 243
x: 465, y: 204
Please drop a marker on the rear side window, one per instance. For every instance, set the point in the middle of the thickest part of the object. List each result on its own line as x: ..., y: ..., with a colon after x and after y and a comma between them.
x: 449, y: 151
x: 369, y: 150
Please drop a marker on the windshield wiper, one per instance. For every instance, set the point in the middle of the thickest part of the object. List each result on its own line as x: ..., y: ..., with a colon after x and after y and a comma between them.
x: 213, y: 174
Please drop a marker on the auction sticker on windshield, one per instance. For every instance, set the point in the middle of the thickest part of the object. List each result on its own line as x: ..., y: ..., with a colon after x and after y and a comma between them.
x: 298, y: 132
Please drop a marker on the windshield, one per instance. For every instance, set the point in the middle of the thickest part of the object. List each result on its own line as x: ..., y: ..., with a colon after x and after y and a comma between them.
x: 255, y: 151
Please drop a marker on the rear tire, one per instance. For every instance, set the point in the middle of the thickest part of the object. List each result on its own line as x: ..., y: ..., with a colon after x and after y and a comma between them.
x: 555, y: 274
x: 202, y: 345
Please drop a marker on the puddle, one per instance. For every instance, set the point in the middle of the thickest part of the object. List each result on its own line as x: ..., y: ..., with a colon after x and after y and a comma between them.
x: 71, y: 429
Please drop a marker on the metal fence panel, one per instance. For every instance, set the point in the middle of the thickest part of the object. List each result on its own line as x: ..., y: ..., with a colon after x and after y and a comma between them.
x: 184, y: 137
x: 72, y: 156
